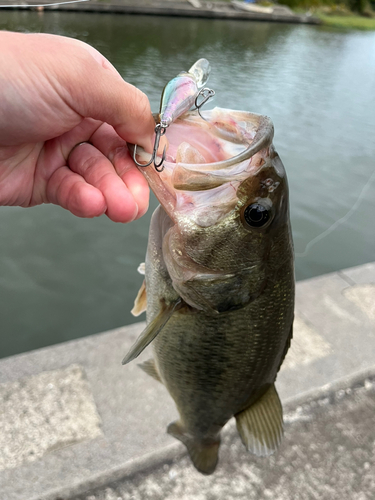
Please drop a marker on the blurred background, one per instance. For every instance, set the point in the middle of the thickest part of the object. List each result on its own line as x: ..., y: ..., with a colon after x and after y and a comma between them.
x: 63, y: 278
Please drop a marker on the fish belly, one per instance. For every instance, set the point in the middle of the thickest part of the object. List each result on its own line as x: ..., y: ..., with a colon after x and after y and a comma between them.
x: 215, y: 366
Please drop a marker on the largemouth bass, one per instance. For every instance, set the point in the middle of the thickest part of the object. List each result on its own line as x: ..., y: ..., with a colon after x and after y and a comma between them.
x: 219, y: 281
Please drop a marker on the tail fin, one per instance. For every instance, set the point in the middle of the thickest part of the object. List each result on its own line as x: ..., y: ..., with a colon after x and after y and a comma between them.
x: 203, y: 454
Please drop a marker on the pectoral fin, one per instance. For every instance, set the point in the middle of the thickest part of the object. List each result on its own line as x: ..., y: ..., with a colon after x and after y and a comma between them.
x: 140, y: 303
x: 149, y: 367
x: 261, y: 425
x: 150, y: 332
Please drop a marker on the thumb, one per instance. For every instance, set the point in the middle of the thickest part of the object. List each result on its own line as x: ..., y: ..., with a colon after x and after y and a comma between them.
x: 100, y: 93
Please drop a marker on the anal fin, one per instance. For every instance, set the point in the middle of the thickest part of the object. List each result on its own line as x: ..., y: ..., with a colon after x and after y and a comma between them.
x: 261, y: 425
x: 203, y: 454
x: 149, y: 367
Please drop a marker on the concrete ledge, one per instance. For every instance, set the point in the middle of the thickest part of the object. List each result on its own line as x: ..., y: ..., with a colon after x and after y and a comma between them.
x: 296, y: 409
x: 309, y: 443
x: 334, y: 337
x: 327, y: 453
x: 45, y: 412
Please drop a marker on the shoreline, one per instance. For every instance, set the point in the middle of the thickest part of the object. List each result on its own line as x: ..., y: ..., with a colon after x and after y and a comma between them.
x: 174, y: 8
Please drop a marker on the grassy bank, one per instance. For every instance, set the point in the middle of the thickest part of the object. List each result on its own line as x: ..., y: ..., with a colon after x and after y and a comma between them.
x: 348, y: 21
x: 346, y: 14
x: 331, y: 14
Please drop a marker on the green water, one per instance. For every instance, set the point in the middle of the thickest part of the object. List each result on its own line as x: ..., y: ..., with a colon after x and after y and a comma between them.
x: 62, y: 277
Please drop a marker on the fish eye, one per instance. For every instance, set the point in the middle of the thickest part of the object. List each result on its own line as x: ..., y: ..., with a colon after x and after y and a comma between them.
x: 257, y: 215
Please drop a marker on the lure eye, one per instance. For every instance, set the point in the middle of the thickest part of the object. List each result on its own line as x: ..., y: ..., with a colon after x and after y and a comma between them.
x: 256, y: 215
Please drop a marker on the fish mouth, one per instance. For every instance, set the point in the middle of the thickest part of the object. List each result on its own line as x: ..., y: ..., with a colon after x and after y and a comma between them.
x: 206, y: 161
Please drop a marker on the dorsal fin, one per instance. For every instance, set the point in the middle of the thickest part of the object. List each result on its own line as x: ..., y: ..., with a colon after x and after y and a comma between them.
x: 142, y: 268
x: 151, y: 331
x: 261, y: 425
x: 140, y: 303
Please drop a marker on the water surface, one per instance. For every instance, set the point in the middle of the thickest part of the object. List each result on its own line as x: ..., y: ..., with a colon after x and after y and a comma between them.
x: 62, y: 277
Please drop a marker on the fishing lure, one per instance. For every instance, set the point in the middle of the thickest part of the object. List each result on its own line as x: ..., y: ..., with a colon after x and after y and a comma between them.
x: 178, y: 96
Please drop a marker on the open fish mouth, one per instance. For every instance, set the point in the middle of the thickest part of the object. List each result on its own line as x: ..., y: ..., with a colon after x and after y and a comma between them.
x: 207, y: 160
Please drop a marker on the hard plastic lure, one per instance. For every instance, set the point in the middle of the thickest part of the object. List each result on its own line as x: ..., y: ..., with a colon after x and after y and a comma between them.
x: 179, y: 95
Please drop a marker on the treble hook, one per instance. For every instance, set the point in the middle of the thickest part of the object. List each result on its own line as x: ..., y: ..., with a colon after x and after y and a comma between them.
x: 160, y: 130
x: 207, y: 94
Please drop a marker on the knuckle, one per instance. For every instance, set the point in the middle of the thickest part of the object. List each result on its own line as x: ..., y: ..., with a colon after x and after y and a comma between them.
x: 89, y: 165
x: 141, y: 104
x: 118, y: 154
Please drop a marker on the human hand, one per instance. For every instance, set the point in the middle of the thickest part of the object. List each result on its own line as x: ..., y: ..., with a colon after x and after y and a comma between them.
x: 56, y: 93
